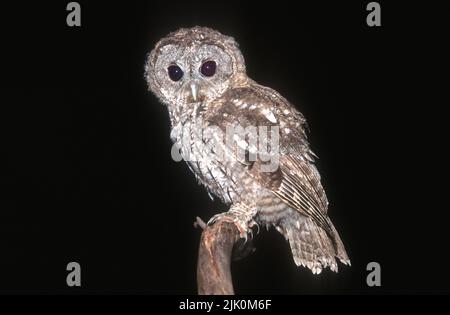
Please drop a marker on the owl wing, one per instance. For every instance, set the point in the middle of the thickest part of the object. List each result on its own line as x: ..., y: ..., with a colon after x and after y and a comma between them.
x: 296, y: 181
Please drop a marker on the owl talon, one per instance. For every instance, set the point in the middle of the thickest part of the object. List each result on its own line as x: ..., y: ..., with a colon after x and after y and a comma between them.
x: 229, y: 217
x: 220, y: 216
x: 252, y: 224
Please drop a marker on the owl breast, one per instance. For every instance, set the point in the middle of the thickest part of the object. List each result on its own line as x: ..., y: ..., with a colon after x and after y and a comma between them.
x: 202, y: 146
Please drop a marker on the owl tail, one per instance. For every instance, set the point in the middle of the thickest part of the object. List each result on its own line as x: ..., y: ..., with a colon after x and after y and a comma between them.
x: 311, y: 246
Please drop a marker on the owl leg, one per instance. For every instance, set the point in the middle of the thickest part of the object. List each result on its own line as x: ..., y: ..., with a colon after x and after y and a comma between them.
x: 242, y: 217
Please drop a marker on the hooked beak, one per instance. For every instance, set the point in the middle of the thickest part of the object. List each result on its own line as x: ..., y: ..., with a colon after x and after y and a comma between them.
x: 194, y: 91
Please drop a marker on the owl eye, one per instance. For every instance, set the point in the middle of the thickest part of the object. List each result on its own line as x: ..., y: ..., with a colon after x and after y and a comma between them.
x: 175, y: 73
x: 208, y: 68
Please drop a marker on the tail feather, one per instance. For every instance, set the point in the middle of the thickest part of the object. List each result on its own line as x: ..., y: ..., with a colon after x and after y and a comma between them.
x: 311, y: 246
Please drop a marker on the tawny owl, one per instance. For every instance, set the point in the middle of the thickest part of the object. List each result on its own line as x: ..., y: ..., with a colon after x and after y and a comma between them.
x: 244, y: 142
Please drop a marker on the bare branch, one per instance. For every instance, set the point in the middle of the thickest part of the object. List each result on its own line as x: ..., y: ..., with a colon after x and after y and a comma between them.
x: 214, y: 258
x: 199, y: 223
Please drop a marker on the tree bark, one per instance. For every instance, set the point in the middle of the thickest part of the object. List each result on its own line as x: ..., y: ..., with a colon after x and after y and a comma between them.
x: 214, y: 258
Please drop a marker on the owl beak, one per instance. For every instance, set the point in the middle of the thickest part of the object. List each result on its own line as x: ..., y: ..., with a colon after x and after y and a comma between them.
x: 194, y: 91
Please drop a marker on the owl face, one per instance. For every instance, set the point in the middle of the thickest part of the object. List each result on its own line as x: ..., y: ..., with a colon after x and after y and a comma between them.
x: 193, y: 65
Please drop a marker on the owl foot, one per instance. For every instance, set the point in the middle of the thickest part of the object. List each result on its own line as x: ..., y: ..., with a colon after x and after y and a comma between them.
x: 227, y: 217
x: 239, y: 219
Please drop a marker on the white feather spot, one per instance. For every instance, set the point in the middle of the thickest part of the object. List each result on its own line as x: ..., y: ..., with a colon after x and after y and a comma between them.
x: 237, y: 102
x: 269, y: 115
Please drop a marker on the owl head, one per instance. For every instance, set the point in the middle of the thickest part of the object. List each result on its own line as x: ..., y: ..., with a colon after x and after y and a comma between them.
x: 192, y: 65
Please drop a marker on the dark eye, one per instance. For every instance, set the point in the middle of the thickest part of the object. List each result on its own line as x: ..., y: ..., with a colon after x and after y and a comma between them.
x: 208, y: 69
x: 175, y: 73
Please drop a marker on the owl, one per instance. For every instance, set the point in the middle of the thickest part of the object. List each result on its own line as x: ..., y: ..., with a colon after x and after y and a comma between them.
x: 244, y: 142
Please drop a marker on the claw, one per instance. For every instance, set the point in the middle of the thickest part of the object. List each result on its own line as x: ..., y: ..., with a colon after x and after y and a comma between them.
x: 217, y: 217
x: 242, y: 220
x: 242, y: 232
x: 254, y: 223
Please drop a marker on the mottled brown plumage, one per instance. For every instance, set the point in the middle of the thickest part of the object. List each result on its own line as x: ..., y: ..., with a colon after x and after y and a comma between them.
x: 204, y: 107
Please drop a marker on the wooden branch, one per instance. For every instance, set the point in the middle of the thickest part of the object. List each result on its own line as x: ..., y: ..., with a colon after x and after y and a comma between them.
x: 218, y: 244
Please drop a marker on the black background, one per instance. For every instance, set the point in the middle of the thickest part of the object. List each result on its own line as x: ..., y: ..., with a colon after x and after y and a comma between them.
x: 89, y: 178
